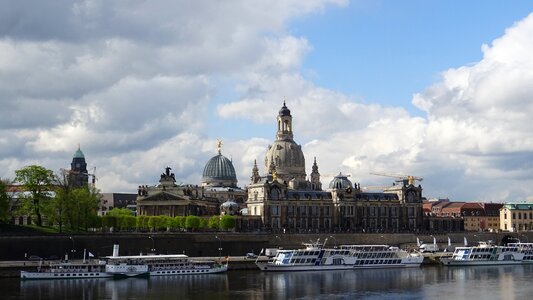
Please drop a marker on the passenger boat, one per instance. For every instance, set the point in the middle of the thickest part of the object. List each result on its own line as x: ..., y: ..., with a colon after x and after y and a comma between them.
x: 67, y: 270
x: 485, y: 253
x: 311, y: 258
x: 526, y: 249
x: 160, y: 265
x: 315, y: 257
x: 383, y: 256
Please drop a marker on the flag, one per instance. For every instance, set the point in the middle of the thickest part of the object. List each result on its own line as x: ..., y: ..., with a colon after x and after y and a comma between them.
x: 90, y: 254
x: 418, y: 242
x: 466, y: 242
x: 434, y: 240
x: 449, y: 241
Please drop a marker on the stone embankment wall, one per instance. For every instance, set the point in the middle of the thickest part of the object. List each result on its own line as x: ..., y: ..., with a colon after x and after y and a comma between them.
x: 208, y: 244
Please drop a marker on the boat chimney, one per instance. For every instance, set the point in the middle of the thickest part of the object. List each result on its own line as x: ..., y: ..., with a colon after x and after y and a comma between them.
x: 115, y: 250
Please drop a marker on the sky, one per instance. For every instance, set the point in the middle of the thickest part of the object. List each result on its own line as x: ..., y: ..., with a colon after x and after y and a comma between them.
x: 437, y: 89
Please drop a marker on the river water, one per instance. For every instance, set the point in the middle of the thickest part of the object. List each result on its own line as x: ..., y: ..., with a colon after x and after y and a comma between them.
x: 435, y: 282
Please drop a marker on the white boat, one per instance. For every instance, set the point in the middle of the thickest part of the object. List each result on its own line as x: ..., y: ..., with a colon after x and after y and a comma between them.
x: 526, y: 249
x: 160, y: 265
x: 383, y: 256
x: 67, y: 270
x: 311, y: 258
x: 315, y: 257
x: 485, y: 254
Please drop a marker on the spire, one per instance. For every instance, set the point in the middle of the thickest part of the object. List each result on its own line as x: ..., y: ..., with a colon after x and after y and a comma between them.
x: 315, y: 177
x: 284, y: 123
x: 255, y: 173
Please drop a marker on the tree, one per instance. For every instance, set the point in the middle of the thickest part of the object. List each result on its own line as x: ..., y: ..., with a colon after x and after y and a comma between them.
x: 6, y: 200
x: 203, y: 223
x: 37, y: 181
x: 63, y: 196
x: 192, y: 222
x: 118, y: 212
x: 227, y: 222
x: 214, y: 222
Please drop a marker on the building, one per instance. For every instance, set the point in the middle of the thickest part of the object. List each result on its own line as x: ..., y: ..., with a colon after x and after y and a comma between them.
x: 168, y: 198
x: 479, y: 216
x: 287, y: 200
x: 117, y: 200
x: 79, y: 176
x: 516, y: 217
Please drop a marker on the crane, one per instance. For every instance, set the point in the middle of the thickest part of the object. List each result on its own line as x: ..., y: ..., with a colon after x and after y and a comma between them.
x: 409, y: 179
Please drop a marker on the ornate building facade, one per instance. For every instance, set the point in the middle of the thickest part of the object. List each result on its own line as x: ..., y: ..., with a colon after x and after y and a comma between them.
x: 285, y: 199
x: 78, y: 170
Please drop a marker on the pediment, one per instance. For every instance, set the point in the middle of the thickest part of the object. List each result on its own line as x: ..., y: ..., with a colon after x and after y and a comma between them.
x: 164, y: 196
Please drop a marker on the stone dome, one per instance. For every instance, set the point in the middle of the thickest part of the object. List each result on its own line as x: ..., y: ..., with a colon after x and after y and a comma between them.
x: 288, y: 158
x: 219, y: 171
x: 340, y: 182
x: 78, y: 154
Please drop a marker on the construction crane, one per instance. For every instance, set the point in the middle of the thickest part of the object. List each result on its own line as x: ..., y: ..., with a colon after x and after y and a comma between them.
x: 409, y: 179
x: 93, y: 175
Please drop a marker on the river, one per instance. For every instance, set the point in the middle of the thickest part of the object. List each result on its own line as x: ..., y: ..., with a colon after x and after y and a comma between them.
x: 434, y: 282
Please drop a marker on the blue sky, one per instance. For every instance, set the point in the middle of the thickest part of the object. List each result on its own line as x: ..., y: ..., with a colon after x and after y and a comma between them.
x: 438, y: 89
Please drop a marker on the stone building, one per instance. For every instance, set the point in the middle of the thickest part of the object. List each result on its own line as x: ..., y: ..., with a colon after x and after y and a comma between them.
x: 286, y: 199
x: 516, y: 217
x: 168, y: 198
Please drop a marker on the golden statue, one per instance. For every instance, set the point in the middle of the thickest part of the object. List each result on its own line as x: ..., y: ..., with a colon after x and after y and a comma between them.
x: 274, y: 175
x: 219, y: 145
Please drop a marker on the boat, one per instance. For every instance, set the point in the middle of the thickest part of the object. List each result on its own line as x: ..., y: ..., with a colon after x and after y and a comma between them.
x: 383, y: 256
x: 67, y: 270
x: 526, y: 249
x: 311, y: 258
x: 160, y: 265
x: 315, y: 257
x: 485, y: 253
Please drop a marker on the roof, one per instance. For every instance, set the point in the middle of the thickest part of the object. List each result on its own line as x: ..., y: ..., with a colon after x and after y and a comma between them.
x: 518, y: 206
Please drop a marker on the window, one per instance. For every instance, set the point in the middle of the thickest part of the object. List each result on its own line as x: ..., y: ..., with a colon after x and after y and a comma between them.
x: 274, y: 210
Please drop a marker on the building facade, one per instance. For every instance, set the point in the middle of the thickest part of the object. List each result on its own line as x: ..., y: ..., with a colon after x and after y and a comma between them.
x: 516, y: 217
x: 287, y: 200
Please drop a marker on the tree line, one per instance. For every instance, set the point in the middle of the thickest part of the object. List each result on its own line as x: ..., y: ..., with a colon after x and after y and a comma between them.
x: 52, y: 199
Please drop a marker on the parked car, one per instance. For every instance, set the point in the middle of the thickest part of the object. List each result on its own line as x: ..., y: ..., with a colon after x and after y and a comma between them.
x: 35, y: 257
x: 251, y: 255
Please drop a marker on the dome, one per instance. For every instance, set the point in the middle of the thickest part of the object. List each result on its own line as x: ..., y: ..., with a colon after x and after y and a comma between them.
x: 219, y: 171
x: 229, y: 207
x: 284, y: 111
x: 288, y: 158
x: 340, y: 182
x: 78, y: 154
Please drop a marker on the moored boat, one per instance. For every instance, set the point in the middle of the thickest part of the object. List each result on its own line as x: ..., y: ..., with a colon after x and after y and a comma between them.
x: 160, y: 265
x: 485, y: 253
x: 67, y: 270
x: 383, y: 256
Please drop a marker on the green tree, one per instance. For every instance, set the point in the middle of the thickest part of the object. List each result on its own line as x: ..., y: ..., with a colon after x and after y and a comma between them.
x: 120, y: 212
x: 57, y: 210
x: 203, y: 223
x: 214, y: 222
x: 109, y: 221
x: 227, y: 222
x: 6, y: 200
x: 180, y: 222
x: 192, y: 222
x: 85, y: 205
x: 37, y: 181
x: 141, y: 222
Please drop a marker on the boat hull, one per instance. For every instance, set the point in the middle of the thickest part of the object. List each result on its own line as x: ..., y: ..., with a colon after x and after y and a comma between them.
x: 263, y: 266
x: 24, y: 275
x: 173, y: 272
x: 449, y: 262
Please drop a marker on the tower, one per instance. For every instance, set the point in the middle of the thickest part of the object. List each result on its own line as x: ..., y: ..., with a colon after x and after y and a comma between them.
x: 255, y: 173
x: 315, y: 178
x: 79, y: 176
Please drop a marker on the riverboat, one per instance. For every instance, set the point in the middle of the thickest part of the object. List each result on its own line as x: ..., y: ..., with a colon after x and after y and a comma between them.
x: 160, y: 265
x: 383, y: 256
x: 67, y: 270
x: 485, y: 253
x: 315, y: 257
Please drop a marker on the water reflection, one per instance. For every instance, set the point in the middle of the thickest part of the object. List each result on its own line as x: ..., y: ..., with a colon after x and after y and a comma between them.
x: 498, y: 282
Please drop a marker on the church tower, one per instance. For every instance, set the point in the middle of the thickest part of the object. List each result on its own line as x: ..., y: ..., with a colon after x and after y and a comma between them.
x: 255, y: 173
x: 315, y: 178
x: 79, y: 176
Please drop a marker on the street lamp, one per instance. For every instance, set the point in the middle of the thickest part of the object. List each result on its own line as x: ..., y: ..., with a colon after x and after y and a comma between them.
x: 219, y: 247
x: 153, y: 244
x: 335, y: 247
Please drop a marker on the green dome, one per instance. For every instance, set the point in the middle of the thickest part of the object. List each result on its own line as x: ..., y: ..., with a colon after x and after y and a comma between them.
x: 79, y: 154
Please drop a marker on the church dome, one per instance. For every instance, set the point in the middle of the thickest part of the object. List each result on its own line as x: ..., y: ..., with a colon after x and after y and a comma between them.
x: 219, y: 171
x: 340, y: 182
x: 288, y: 158
x: 229, y: 207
